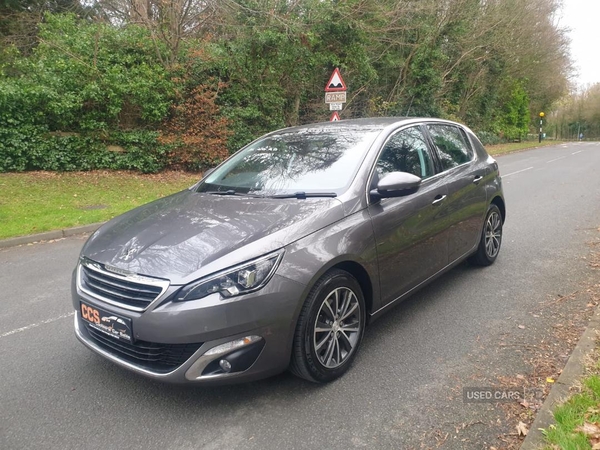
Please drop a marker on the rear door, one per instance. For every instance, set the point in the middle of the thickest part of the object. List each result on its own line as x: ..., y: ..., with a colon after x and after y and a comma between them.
x: 463, y: 174
x: 411, y: 239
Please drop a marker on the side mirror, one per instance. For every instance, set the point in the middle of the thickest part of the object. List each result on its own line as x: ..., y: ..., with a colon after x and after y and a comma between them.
x: 396, y: 184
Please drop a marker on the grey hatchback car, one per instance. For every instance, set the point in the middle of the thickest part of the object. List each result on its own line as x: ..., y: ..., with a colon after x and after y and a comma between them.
x: 282, y: 255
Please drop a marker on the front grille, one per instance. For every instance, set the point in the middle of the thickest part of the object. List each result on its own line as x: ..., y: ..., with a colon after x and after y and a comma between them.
x: 120, y: 290
x: 148, y: 355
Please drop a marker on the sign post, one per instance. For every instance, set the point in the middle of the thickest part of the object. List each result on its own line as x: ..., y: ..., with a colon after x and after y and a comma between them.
x: 335, y: 94
x: 541, y: 119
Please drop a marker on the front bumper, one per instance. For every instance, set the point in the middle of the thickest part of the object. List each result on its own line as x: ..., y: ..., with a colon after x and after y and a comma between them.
x: 270, y: 314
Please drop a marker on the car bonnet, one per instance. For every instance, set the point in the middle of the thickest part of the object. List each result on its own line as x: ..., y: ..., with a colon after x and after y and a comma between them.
x: 189, y: 235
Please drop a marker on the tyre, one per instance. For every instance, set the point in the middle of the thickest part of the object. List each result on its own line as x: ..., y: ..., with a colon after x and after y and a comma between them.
x: 330, y: 328
x: 491, y: 238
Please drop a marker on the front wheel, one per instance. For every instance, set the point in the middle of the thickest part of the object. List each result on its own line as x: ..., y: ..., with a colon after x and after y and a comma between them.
x: 491, y: 238
x: 330, y: 328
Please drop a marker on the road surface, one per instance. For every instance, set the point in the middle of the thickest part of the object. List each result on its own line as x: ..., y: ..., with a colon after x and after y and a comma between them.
x: 401, y: 391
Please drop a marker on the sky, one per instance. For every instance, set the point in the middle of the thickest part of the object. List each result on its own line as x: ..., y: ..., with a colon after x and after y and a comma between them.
x: 583, y: 18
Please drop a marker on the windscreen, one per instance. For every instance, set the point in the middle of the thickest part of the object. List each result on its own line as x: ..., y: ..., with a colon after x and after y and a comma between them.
x: 311, y: 160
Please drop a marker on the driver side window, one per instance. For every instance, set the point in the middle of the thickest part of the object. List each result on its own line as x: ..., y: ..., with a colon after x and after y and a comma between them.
x: 405, y: 151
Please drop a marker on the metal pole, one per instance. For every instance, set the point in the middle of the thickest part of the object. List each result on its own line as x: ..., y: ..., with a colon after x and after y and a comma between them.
x: 540, y: 141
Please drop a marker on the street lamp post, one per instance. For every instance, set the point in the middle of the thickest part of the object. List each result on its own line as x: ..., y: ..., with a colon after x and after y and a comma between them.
x: 541, y: 118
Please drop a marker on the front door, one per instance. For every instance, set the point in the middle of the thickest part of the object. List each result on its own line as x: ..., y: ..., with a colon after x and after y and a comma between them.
x: 409, y: 231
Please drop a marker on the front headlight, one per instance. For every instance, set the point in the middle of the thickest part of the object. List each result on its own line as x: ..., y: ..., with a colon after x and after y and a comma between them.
x: 245, y: 278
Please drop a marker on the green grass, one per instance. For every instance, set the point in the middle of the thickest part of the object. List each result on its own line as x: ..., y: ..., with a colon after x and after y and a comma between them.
x: 583, y: 407
x: 34, y: 202
x: 517, y: 146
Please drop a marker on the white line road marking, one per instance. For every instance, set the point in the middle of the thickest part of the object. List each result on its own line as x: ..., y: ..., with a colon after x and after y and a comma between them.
x: 556, y: 159
x: 574, y: 153
x: 518, y: 171
x: 34, y: 325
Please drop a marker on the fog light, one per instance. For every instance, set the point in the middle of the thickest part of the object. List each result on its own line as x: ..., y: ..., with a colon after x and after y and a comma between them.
x: 225, y: 365
x: 232, y: 357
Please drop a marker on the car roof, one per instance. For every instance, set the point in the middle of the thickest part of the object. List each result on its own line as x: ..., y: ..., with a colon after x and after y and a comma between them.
x: 374, y: 123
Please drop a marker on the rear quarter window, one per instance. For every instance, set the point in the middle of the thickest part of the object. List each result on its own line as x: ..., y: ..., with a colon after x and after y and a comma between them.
x: 477, y: 145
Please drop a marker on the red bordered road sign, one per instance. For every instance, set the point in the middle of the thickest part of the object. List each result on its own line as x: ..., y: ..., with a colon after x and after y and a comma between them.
x: 336, y: 82
x: 335, y: 117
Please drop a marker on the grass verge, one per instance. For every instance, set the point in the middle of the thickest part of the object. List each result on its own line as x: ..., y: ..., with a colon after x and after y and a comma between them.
x: 501, y: 149
x: 578, y: 419
x: 34, y: 202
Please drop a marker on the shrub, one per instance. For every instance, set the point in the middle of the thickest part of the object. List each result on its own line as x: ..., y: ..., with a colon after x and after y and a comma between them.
x: 31, y: 148
x: 196, y: 132
x: 489, y: 138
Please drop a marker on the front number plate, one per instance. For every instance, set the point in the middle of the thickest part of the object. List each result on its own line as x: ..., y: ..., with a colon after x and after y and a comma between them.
x: 106, y: 322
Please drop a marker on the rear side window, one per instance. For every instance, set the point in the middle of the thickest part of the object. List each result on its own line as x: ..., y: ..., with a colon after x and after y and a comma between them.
x: 451, y: 145
x: 405, y: 151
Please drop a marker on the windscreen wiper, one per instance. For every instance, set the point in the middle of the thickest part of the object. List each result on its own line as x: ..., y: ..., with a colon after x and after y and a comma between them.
x: 231, y: 192
x: 303, y: 195
x: 227, y: 192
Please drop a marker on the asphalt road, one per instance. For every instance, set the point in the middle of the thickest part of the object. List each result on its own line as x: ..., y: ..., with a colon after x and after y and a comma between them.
x: 54, y: 393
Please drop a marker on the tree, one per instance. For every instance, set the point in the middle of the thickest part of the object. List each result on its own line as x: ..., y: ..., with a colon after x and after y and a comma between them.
x: 19, y: 19
x: 168, y: 22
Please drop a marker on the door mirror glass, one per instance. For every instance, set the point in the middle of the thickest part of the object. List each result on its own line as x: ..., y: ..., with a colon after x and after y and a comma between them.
x: 396, y: 184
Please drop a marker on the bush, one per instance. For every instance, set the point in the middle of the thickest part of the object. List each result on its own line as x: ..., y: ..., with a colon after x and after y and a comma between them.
x: 143, y: 151
x: 86, y: 76
x: 33, y: 148
x: 489, y: 138
x: 196, y: 132
x: 15, y: 146
x: 83, y: 99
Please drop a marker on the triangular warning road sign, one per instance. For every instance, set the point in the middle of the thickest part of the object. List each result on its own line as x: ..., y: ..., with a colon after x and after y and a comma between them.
x: 336, y: 82
x: 335, y: 117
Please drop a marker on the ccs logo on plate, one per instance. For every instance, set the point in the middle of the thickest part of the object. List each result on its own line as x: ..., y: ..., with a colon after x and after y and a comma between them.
x: 90, y: 314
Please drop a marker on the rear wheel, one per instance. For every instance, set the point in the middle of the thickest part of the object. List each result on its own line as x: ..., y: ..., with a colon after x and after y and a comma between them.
x: 491, y: 238
x: 330, y: 328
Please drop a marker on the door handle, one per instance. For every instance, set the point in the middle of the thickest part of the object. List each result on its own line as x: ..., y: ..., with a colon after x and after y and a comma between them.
x: 477, y: 179
x: 438, y: 199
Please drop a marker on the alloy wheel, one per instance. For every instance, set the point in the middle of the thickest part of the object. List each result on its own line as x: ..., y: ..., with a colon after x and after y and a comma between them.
x: 493, y: 234
x: 337, y: 327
